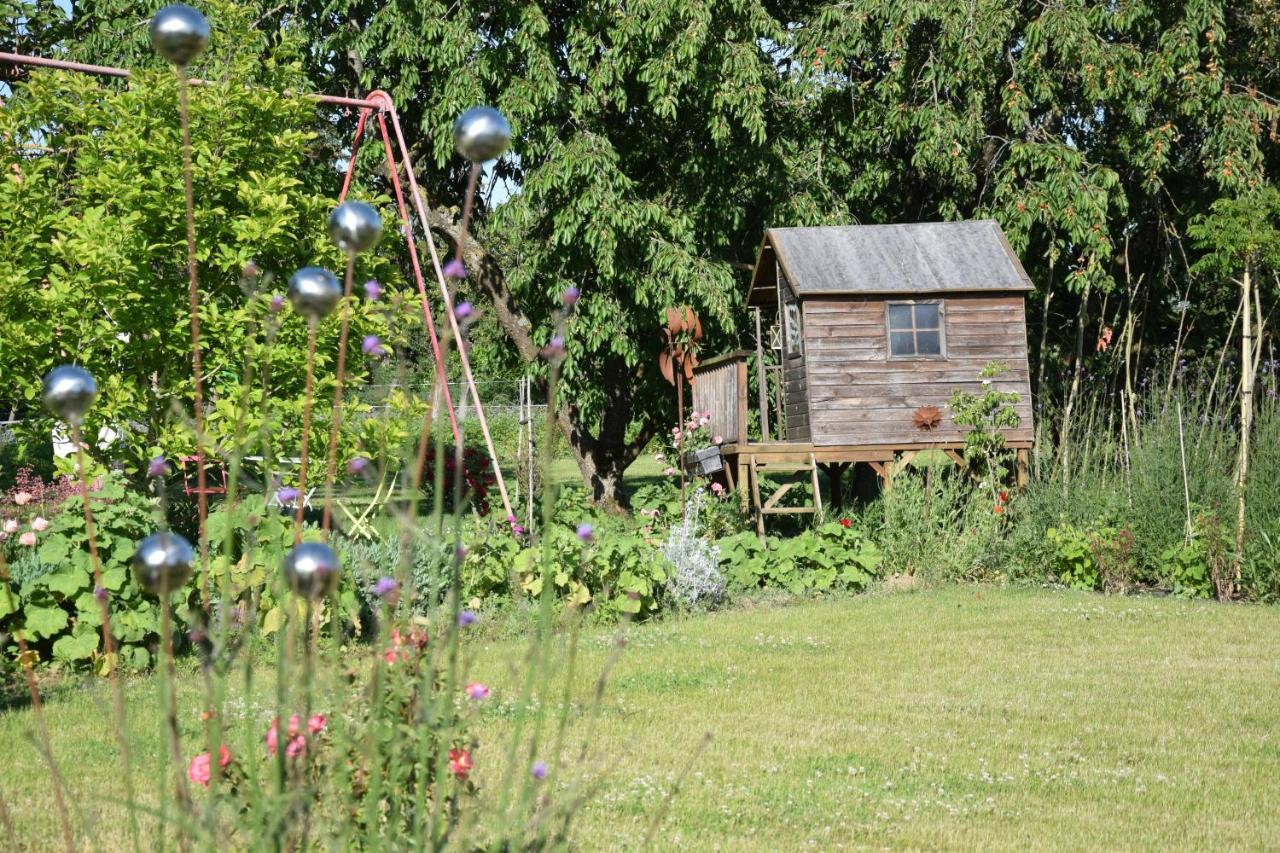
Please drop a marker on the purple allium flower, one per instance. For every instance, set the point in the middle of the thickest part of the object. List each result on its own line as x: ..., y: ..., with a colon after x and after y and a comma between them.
x: 157, y: 467
x: 538, y: 770
x: 287, y: 495
x: 372, y: 345
x: 385, y: 587
x: 467, y: 617
x: 372, y: 290
x: 100, y: 593
x: 455, y: 269
x: 463, y: 310
x: 277, y: 303
x: 586, y: 532
x: 357, y: 465
x: 570, y: 296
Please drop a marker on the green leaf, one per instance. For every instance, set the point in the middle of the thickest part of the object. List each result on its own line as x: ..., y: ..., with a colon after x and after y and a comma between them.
x: 44, y: 621
x: 76, y: 647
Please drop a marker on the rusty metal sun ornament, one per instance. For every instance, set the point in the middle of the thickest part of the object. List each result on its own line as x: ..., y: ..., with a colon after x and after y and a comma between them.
x: 927, y: 418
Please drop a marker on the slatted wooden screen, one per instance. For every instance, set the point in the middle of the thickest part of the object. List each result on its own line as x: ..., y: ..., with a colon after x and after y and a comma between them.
x: 720, y: 387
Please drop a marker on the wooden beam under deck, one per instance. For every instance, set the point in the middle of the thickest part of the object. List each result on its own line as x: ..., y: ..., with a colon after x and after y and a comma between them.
x: 805, y: 453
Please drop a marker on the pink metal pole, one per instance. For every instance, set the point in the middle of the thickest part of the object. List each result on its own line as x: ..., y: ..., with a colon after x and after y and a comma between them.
x: 124, y: 73
x: 448, y: 306
x: 442, y: 379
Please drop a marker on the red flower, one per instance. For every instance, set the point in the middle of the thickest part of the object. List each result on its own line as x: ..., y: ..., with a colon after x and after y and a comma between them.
x: 844, y: 522
x: 460, y: 764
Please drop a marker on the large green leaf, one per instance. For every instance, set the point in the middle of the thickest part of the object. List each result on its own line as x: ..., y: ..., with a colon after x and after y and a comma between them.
x: 44, y: 621
x: 76, y: 647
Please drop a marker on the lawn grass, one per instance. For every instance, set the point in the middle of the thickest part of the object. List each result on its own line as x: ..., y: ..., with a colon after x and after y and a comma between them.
x: 961, y: 717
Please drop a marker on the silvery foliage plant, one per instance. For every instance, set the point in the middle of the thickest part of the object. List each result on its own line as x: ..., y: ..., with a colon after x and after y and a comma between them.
x: 696, y: 582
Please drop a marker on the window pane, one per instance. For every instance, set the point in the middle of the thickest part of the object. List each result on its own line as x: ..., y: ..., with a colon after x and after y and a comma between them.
x: 928, y: 343
x: 899, y: 316
x: 927, y: 315
x: 793, y: 327
x: 901, y: 343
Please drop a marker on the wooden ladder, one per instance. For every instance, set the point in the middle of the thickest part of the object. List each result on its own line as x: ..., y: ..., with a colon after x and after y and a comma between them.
x: 770, y: 505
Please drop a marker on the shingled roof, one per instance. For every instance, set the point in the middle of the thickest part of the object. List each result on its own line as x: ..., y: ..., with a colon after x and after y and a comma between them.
x: 916, y: 258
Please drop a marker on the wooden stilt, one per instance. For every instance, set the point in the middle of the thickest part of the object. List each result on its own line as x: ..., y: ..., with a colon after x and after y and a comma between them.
x: 755, y: 498
x: 817, y: 493
x: 1022, y: 467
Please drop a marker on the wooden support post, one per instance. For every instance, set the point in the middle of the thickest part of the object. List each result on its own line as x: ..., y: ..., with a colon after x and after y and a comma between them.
x: 744, y: 483
x: 817, y: 493
x: 755, y: 498
x: 762, y: 385
x: 1022, y: 467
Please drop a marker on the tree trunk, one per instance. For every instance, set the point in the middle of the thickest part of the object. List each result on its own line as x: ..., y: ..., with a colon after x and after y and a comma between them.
x: 1246, y: 417
x: 602, y: 456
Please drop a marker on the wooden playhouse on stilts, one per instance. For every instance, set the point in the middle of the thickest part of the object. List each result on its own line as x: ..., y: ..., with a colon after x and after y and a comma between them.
x: 871, y: 328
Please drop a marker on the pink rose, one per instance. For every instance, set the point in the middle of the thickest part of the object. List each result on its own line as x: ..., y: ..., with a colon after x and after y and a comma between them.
x: 716, y: 488
x: 273, y: 737
x: 200, y: 768
x: 28, y: 539
x: 40, y: 524
x: 22, y: 498
x: 316, y: 723
x: 297, y: 746
x: 719, y: 439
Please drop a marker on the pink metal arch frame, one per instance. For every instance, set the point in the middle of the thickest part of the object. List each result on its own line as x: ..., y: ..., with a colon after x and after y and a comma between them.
x: 381, y: 103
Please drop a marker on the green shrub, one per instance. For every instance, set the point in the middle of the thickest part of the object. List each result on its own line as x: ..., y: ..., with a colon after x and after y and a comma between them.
x: 53, y: 586
x: 936, y: 523
x: 834, y: 555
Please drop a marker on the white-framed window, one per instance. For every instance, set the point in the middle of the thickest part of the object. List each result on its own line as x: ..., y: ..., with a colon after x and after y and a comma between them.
x: 915, y: 329
x: 791, y: 319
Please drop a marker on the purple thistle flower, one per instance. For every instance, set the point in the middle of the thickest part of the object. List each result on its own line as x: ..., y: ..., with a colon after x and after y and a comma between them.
x: 100, y: 593
x: 157, y: 467
x: 372, y: 290
x: 372, y: 345
x: 277, y: 303
x: 477, y: 691
x: 586, y: 532
x: 463, y: 310
x: 517, y: 530
x: 467, y: 617
x: 554, y: 347
x: 570, y: 296
x: 385, y: 587
x: 538, y: 770
x: 357, y: 465
x: 455, y: 269
x: 287, y: 495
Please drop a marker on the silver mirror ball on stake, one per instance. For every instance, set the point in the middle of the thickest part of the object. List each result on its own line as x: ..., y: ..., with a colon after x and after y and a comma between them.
x: 311, y: 569
x: 69, y: 392
x: 481, y: 134
x: 162, y: 563
x: 179, y: 33
x: 314, y: 292
x: 355, y: 226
